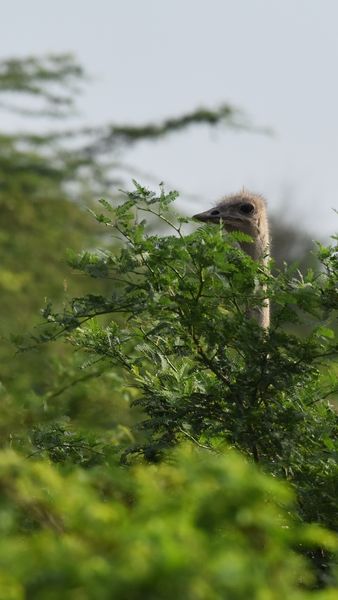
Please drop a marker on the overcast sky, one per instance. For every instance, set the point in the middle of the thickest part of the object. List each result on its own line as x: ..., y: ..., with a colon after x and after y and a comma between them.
x: 275, y: 59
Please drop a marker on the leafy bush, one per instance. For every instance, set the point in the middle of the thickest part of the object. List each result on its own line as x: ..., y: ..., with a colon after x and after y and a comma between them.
x: 201, y: 527
x: 176, y: 328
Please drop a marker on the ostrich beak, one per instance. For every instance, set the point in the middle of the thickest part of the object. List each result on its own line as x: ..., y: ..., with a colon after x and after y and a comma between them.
x: 206, y: 216
x: 200, y: 217
x: 214, y: 215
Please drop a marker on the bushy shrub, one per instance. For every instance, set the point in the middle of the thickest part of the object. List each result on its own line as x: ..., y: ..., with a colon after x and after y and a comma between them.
x: 176, y: 324
x: 176, y: 330
x: 198, y: 527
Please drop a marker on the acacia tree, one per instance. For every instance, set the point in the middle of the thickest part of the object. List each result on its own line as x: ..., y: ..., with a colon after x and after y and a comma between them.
x: 176, y: 332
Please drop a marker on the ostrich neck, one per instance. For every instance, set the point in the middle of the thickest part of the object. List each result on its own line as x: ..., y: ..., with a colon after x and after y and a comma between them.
x: 258, y: 249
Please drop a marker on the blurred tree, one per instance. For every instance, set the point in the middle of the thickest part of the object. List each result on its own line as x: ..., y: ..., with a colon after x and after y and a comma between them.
x: 47, y: 179
x: 202, y: 527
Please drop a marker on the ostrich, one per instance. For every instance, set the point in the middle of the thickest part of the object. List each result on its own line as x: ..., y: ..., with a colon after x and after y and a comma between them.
x: 245, y: 212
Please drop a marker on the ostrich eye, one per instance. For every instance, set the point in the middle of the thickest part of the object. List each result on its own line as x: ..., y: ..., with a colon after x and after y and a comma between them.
x: 214, y: 213
x: 247, y: 209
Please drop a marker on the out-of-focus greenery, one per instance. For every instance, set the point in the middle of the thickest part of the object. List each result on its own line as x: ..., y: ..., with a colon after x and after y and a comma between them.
x: 200, y: 527
x: 160, y: 324
x: 47, y: 181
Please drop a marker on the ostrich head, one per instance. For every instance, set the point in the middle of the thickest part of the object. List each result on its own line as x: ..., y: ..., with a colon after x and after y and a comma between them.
x: 244, y: 212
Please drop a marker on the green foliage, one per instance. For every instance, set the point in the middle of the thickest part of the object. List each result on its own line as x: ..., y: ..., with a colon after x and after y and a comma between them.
x: 162, y: 325
x: 199, y: 527
x: 188, y: 344
x: 176, y: 324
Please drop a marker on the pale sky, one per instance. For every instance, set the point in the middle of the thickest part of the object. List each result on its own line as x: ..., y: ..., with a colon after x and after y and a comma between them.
x: 149, y: 59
